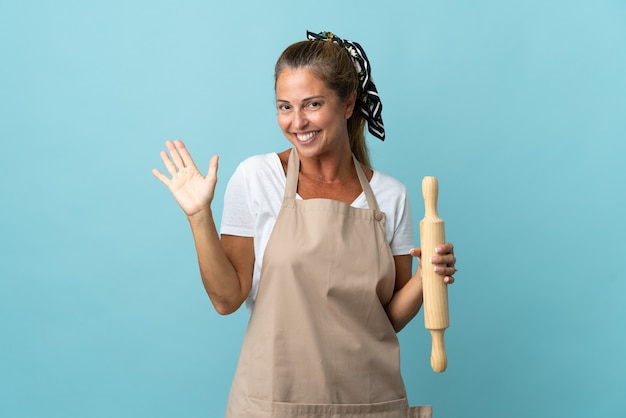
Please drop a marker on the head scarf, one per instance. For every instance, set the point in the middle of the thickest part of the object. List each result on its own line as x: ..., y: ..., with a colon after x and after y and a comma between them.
x: 370, y: 105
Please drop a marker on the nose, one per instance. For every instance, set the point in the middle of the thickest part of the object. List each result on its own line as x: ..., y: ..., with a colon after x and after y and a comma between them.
x: 299, y: 120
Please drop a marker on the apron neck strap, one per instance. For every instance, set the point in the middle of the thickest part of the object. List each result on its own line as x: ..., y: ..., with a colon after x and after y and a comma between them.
x: 365, y: 185
x: 293, y: 169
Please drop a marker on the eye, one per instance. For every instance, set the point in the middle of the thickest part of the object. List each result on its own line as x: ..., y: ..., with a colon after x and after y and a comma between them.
x: 314, y: 105
x: 284, y: 107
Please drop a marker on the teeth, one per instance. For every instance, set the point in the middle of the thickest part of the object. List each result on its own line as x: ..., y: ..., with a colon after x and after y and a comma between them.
x: 306, y: 137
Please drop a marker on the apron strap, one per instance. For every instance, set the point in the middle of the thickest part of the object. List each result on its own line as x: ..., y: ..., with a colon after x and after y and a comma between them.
x: 365, y: 185
x: 293, y: 169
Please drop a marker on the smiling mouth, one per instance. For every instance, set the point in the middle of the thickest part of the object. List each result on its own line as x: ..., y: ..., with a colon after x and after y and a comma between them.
x: 306, y: 137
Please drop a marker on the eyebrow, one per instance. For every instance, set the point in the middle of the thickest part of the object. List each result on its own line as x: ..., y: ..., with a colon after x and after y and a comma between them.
x: 306, y: 99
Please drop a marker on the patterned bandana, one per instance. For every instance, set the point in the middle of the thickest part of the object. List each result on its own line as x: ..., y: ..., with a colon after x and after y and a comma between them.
x: 371, y: 107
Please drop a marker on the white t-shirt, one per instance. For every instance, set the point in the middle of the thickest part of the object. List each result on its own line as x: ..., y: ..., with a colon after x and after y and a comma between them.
x: 254, y: 195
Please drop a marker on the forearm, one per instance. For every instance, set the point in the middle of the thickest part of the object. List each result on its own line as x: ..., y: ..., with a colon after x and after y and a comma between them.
x: 220, y: 278
x: 406, y: 302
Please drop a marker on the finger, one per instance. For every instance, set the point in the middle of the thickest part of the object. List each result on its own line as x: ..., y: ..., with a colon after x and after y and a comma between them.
x: 184, y: 154
x: 446, y: 248
x: 162, y: 177
x: 171, y: 168
x: 448, y: 260
x: 416, y: 252
x: 445, y: 270
x: 174, y: 154
x: 448, y: 280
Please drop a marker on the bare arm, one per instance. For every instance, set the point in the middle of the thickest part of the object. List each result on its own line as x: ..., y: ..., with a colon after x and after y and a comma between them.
x: 408, y: 296
x: 225, y: 265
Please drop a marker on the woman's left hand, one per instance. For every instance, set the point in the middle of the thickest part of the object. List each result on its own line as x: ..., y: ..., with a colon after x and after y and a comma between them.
x: 444, y: 261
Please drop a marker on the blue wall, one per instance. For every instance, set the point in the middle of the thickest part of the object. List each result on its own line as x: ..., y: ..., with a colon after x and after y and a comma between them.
x: 518, y: 107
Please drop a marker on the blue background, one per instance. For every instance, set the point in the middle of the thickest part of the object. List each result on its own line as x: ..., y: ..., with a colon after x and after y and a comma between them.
x: 518, y: 107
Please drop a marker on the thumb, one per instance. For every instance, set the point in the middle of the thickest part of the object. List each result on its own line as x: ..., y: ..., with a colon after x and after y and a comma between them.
x: 213, y: 165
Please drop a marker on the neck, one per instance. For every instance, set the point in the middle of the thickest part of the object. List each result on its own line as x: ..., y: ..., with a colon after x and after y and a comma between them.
x: 335, y: 167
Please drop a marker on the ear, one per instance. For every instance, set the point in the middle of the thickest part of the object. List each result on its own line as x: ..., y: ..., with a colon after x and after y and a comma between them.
x: 350, y: 103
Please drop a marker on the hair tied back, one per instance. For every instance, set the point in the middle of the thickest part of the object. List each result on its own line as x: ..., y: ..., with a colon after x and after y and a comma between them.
x: 370, y: 106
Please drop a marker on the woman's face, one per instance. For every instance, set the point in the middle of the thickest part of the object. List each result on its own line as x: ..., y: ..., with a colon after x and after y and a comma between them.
x: 312, y: 117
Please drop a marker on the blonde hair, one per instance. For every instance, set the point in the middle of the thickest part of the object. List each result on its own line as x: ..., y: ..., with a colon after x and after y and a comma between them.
x: 333, y: 65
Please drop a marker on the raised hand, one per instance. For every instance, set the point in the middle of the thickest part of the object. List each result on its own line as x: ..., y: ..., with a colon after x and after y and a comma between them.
x: 193, y: 191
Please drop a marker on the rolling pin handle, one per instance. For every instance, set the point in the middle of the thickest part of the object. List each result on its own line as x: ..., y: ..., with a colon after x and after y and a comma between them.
x: 438, y: 357
x: 430, y: 191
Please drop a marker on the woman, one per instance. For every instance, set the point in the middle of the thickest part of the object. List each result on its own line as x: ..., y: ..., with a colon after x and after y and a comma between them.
x: 317, y: 243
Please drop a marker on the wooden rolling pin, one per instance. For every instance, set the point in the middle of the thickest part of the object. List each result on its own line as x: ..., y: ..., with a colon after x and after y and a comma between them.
x: 436, y: 318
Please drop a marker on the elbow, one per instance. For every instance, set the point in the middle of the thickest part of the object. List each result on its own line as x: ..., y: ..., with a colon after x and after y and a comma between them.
x: 225, y: 304
x: 398, y: 320
x: 225, y: 308
x: 397, y: 327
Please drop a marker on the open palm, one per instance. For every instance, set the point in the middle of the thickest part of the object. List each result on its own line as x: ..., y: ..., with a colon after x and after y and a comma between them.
x: 190, y: 188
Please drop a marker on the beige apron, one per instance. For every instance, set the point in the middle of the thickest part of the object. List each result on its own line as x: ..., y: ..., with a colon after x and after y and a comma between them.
x: 319, y: 343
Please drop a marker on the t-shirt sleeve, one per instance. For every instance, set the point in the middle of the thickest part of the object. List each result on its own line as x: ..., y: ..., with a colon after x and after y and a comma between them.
x: 402, y: 241
x: 237, y: 215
